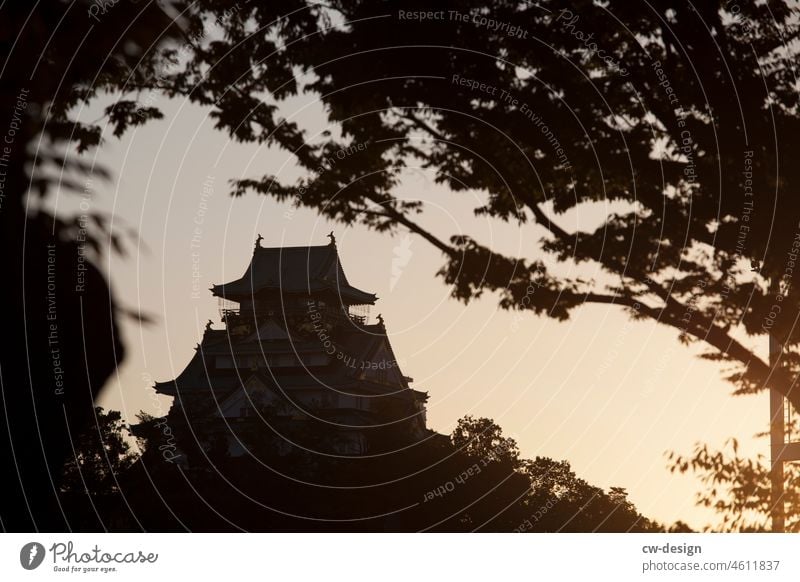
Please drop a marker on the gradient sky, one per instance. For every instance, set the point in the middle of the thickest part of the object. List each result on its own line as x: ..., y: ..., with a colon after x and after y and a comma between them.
x: 605, y: 393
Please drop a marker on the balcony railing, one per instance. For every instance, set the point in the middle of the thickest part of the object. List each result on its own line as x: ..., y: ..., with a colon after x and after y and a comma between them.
x: 224, y: 313
x: 228, y: 314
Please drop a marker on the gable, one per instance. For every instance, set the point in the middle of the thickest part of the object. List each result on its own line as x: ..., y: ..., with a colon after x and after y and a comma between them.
x: 253, y: 394
x: 380, y: 365
x: 268, y: 331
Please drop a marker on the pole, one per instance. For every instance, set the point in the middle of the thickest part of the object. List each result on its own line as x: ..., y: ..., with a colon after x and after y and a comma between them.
x: 776, y: 437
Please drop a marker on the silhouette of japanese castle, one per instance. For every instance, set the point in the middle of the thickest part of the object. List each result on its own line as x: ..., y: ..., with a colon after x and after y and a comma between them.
x: 296, y: 350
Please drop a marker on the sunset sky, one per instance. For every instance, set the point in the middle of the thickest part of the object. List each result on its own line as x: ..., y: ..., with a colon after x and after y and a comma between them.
x: 605, y: 393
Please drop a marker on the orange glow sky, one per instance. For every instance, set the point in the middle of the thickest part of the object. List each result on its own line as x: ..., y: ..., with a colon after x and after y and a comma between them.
x: 605, y: 393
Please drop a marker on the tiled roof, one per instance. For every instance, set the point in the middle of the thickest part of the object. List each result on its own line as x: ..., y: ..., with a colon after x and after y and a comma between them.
x: 295, y: 270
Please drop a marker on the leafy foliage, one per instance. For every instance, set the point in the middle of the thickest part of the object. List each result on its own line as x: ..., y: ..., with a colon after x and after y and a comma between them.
x: 686, y: 129
x: 681, y: 125
x: 475, y: 482
x: 56, y: 59
x: 101, y: 454
x: 738, y: 488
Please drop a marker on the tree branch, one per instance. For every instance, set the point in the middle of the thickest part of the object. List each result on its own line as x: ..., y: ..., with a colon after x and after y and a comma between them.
x: 392, y: 214
x: 424, y: 126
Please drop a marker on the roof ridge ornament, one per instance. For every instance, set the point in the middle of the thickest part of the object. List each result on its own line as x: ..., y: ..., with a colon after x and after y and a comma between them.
x: 333, y: 238
x: 380, y: 320
x: 258, y: 241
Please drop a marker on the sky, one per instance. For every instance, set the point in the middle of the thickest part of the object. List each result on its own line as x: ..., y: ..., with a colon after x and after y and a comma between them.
x: 607, y: 394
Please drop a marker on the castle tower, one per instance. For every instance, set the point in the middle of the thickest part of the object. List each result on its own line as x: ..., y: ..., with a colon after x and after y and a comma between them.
x: 296, y: 351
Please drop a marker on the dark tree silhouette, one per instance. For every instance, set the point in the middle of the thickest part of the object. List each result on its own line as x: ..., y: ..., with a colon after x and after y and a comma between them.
x: 475, y: 482
x: 738, y: 488
x: 101, y: 453
x: 59, y: 312
x: 90, y: 489
x: 481, y: 437
x: 682, y: 116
